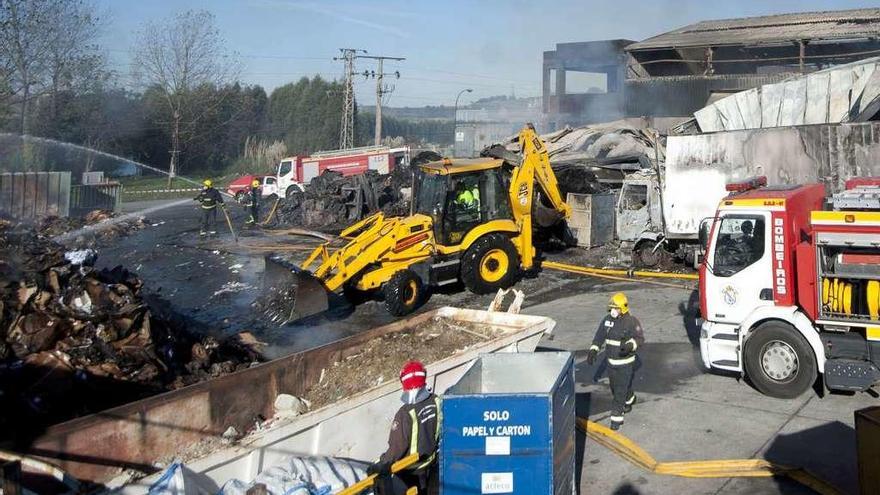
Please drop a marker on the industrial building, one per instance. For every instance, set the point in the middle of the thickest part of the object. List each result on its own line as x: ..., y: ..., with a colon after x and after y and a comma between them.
x: 669, y: 76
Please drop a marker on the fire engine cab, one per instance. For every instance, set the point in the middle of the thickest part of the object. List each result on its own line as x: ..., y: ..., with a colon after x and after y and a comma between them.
x: 790, y: 286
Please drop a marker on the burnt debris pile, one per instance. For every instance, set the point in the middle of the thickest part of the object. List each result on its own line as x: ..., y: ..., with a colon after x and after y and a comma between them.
x: 332, y: 201
x: 51, y: 226
x: 75, y: 339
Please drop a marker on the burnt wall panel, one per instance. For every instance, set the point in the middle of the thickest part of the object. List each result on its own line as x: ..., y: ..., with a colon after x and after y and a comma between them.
x: 682, y: 96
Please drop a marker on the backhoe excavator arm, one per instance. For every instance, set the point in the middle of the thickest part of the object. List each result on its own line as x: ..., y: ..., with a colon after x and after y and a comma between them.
x: 535, y: 167
x: 536, y: 157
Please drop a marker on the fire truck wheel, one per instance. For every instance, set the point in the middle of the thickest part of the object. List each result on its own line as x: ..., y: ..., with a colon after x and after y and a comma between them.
x: 403, y: 293
x: 779, y: 361
x: 491, y: 263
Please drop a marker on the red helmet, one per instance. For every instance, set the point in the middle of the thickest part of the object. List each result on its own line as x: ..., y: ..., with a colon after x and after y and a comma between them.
x: 413, y: 375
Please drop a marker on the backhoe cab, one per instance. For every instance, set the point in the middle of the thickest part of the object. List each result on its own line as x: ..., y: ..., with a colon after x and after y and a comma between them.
x: 470, y: 222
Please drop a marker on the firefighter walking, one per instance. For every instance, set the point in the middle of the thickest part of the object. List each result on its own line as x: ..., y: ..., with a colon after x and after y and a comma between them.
x: 620, y: 333
x: 209, y: 200
x: 254, y: 196
x: 416, y: 429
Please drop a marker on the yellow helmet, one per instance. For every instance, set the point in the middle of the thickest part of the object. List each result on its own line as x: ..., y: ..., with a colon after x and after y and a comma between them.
x: 620, y: 302
x: 208, y: 182
x: 255, y: 183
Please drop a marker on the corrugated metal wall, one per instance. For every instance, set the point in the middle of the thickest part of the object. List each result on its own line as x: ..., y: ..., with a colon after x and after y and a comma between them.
x: 682, y: 96
x: 29, y: 195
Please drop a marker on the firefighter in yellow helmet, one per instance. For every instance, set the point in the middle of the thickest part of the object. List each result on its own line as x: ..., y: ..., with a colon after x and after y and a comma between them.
x: 254, y: 196
x: 620, y: 333
x: 209, y: 200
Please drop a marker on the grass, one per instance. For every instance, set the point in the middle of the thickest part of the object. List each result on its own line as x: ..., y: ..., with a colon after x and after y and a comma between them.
x: 134, y: 188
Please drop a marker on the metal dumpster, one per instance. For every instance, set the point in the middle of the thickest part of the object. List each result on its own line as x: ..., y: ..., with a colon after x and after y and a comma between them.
x: 509, y: 426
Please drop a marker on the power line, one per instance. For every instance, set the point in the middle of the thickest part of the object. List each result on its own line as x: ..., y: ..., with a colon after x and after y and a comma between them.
x: 381, y: 89
x: 346, y: 131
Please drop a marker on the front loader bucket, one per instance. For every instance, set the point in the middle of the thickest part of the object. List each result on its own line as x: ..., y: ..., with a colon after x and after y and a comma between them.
x: 290, y: 293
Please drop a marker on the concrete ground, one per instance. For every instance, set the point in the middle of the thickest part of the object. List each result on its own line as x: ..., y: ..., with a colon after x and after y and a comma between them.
x: 685, y: 413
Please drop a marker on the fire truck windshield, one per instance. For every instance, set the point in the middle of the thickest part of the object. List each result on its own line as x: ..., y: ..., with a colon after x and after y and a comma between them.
x: 740, y: 243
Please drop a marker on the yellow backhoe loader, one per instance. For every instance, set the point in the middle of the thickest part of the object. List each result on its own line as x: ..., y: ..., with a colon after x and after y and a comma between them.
x: 471, y: 221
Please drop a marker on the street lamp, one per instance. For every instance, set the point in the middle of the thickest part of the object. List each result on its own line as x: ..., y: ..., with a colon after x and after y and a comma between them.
x: 455, y: 116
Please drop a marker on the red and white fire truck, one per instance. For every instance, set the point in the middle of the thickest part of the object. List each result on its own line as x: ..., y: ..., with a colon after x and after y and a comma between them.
x: 790, y: 286
x: 297, y: 170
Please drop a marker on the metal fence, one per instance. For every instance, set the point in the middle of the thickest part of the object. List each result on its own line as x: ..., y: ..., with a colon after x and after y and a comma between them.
x: 29, y: 195
x: 85, y: 198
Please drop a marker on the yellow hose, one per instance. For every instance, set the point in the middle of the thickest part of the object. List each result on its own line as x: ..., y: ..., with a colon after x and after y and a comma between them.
x: 589, y: 270
x: 368, y: 481
x: 271, y: 213
x: 722, y: 468
x: 591, y: 273
x: 837, y: 295
x: 874, y: 299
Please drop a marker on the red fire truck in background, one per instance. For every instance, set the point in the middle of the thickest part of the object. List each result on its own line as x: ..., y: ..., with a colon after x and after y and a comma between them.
x: 297, y: 170
x: 790, y: 286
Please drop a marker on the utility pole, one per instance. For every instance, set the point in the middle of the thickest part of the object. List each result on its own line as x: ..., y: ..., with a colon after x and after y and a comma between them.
x: 381, y: 90
x: 346, y: 130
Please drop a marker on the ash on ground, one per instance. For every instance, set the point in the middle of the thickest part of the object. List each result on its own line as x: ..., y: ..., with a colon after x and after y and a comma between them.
x: 75, y: 340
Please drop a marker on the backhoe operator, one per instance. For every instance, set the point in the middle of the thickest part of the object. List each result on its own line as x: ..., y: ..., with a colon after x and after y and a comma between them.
x: 416, y: 429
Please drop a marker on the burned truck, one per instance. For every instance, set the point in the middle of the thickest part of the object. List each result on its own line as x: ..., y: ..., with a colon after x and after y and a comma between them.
x: 659, y: 211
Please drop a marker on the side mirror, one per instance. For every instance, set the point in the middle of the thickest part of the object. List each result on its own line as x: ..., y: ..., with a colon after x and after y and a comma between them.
x: 705, y: 225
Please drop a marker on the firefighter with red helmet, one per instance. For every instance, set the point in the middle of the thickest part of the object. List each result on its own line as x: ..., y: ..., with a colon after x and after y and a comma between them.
x: 416, y: 429
x: 620, y: 333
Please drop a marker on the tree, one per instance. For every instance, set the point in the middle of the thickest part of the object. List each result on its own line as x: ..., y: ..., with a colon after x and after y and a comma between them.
x: 46, y: 46
x: 306, y: 114
x: 24, y: 47
x: 182, y: 59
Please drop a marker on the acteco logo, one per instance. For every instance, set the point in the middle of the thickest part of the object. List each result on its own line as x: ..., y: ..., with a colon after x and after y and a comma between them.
x: 779, y: 274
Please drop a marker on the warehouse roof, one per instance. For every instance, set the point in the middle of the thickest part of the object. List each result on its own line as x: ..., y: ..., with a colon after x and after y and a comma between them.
x: 839, y: 24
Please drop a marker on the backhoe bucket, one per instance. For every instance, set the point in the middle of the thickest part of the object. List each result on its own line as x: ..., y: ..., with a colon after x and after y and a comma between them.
x: 290, y: 293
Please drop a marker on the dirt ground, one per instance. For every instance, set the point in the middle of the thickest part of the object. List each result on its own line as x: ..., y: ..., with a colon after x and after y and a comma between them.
x: 381, y: 359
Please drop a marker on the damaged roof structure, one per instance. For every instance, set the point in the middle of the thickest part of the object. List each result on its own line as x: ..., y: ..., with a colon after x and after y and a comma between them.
x: 844, y: 93
x: 674, y: 74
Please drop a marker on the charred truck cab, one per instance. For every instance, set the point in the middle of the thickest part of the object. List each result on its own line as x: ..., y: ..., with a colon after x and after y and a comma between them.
x: 790, y: 289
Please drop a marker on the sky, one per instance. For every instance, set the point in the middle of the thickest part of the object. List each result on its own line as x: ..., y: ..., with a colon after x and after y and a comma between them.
x: 491, y: 46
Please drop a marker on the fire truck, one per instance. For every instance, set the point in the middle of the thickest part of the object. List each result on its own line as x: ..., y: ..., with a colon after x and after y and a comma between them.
x: 297, y: 170
x: 790, y: 286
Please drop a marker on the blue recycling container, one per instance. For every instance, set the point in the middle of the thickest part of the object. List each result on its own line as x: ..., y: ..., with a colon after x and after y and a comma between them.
x: 509, y: 426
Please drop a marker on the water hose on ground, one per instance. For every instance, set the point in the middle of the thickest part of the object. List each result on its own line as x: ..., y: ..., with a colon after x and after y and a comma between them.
x: 271, y: 213
x: 722, y: 468
x: 619, y: 272
x: 601, y: 273
x: 229, y: 222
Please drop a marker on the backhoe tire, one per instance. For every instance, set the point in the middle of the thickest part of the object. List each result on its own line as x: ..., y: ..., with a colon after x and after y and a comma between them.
x: 403, y: 293
x: 779, y: 362
x: 491, y: 263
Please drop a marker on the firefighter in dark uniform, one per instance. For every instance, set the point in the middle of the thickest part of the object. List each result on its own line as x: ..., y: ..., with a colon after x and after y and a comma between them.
x: 416, y: 429
x: 621, y: 335
x: 209, y: 200
x: 254, y: 197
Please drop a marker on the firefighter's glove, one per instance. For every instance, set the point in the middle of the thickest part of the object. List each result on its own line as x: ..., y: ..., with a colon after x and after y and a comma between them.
x: 591, y: 356
x: 379, y: 468
x: 626, y: 349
